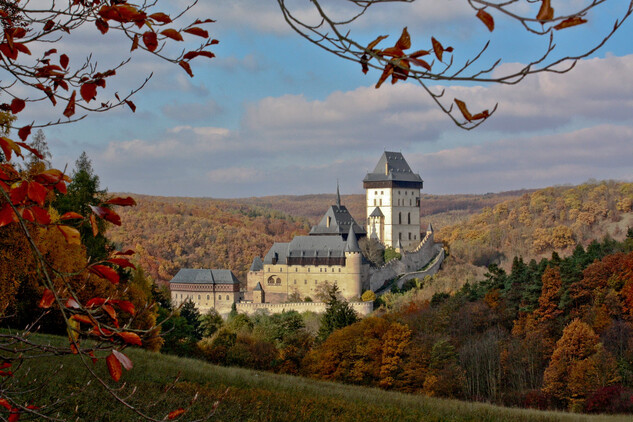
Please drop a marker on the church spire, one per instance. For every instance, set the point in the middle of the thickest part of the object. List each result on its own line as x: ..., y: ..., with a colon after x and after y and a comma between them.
x: 338, y: 195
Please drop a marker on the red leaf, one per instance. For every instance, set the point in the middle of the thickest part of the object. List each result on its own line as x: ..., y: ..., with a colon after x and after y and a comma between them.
x: 160, y: 17
x: 70, y: 108
x: 175, y: 413
x: 110, y: 311
x: 102, y: 25
x: 421, y: 63
x: 83, y: 318
x: 8, y: 146
x: 63, y: 60
x: 70, y: 215
x: 105, y: 273
x: 125, y: 306
x: 49, y: 52
x: 131, y: 338
x: 198, y: 21
x: 107, y: 214
x: 27, y: 215
x: 131, y: 105
x: 114, y: 367
x: 464, y: 109
x: 186, y: 66
x: 18, y: 193
x: 37, y: 192
x: 375, y: 42
x: 7, y: 216
x: 576, y: 20
x: 24, y: 132
x: 486, y: 19
x: 150, y: 40
x: 47, y: 300
x: 93, y: 224
x: 14, y: 416
x: 546, y: 12
x: 72, y: 303
x: 127, y: 252
x: 4, y: 403
x: 134, y: 43
x: 197, y: 31
x: 48, y: 25
x: 121, y: 262
x: 17, y: 105
x: 404, y: 41
x: 61, y: 187
x: 437, y: 48
x: 125, y: 202
x: 71, y: 234
x: 41, y: 215
x: 88, y: 91
x: 31, y: 150
x: 125, y: 361
x: 172, y: 33
x: 95, y: 301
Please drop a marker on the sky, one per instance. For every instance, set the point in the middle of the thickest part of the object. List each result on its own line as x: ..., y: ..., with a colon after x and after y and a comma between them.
x: 275, y: 115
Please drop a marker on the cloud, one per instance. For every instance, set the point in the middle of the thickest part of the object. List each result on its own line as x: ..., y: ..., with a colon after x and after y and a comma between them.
x: 601, y: 152
x: 192, y: 112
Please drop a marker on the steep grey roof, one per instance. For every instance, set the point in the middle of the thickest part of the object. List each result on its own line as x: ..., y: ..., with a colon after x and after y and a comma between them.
x: 205, y: 276
x: 257, y: 264
x: 392, y: 167
x: 317, y: 246
x: 376, y: 213
x: 429, y: 228
x: 281, y: 249
x: 399, y: 245
x: 352, y: 243
x: 258, y: 287
x: 340, y: 222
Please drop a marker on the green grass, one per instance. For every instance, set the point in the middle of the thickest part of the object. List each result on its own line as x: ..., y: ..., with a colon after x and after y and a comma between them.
x: 252, y: 396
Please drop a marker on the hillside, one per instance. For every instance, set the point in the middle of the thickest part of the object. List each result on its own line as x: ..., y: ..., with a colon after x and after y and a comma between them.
x: 534, y: 225
x: 172, y: 233
x: 253, y: 396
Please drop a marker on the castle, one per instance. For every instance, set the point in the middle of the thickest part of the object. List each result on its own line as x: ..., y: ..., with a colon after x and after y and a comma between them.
x: 298, y: 270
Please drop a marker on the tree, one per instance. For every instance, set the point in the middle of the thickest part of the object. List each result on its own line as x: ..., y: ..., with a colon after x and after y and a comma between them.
x: 338, y: 314
x: 580, y: 365
x: 27, y: 198
x: 332, y: 29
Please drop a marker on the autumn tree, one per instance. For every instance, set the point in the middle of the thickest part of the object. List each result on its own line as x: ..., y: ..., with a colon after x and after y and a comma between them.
x: 34, y: 70
x: 579, y: 366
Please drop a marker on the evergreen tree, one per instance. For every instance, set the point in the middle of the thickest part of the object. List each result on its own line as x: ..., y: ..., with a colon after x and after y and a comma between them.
x: 192, y: 315
x: 84, y: 191
x: 338, y: 314
x: 40, y: 144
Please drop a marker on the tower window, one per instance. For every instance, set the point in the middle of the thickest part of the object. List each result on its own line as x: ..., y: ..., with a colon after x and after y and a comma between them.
x: 399, y: 218
x: 399, y: 236
x: 409, y: 236
x: 409, y: 218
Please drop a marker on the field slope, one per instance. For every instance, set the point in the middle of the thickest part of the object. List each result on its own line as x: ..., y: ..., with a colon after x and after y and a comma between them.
x: 252, y: 396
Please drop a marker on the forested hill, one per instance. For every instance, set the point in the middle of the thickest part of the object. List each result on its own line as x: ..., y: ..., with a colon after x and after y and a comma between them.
x: 535, y: 224
x: 170, y: 233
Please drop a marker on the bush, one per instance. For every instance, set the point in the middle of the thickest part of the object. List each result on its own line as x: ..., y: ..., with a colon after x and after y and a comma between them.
x: 611, y: 399
x: 368, y: 296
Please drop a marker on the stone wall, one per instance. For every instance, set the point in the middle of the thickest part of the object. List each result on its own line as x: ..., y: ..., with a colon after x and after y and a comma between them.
x: 362, y: 308
x: 410, y: 262
x: 430, y: 270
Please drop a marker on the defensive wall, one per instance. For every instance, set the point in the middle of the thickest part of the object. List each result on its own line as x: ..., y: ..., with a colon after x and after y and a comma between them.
x: 362, y: 308
x: 411, y: 262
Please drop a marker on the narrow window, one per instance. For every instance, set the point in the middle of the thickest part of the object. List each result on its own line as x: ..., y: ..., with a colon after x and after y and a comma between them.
x: 409, y: 236
x: 198, y: 297
x: 305, y: 281
x: 227, y: 297
x: 339, y: 270
x: 399, y: 218
x: 408, y: 218
x: 295, y: 281
x: 399, y: 236
x: 207, y: 297
x: 219, y: 297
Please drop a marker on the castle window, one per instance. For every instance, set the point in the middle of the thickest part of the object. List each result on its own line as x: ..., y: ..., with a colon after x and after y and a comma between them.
x: 381, y: 202
x: 308, y: 269
x: 381, y: 192
x: 315, y: 282
x: 219, y: 297
x: 374, y: 201
x: 414, y: 236
x: 271, y: 280
x: 305, y: 281
x: 399, y: 236
x: 375, y: 192
x: 409, y: 236
x: 410, y: 202
x: 198, y: 297
x: 339, y: 270
x: 295, y: 281
x: 399, y: 218
x: 332, y: 269
x: 227, y: 297
x: 296, y: 269
x: 207, y: 297
x: 405, y: 192
x: 409, y: 218
x: 278, y: 281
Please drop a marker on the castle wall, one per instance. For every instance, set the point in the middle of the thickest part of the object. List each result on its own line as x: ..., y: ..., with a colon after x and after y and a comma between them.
x: 362, y: 308
x: 205, y: 296
x: 410, y: 262
x: 401, y: 210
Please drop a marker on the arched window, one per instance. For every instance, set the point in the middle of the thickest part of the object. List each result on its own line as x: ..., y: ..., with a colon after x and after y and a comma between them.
x: 278, y: 280
x: 271, y: 280
x: 399, y: 218
x: 207, y: 297
x: 408, y: 218
x: 219, y: 297
x: 198, y: 297
x: 227, y: 297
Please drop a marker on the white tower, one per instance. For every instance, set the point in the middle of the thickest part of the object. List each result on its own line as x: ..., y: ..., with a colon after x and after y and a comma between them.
x: 393, y: 202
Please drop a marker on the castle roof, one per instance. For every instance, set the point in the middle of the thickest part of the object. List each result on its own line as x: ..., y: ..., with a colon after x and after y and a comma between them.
x: 257, y: 264
x: 258, y: 287
x: 392, y: 167
x: 204, y: 276
x: 352, y: 243
x: 278, y: 252
x: 376, y: 213
x: 340, y: 222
